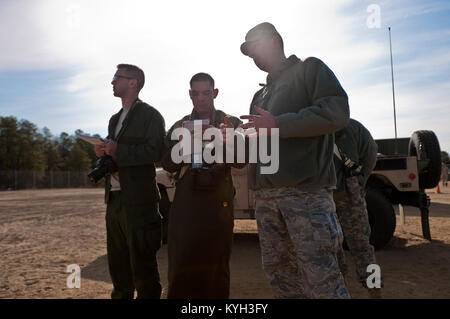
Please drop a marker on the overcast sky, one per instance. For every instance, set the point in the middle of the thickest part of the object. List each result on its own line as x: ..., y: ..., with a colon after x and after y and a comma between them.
x: 57, y: 57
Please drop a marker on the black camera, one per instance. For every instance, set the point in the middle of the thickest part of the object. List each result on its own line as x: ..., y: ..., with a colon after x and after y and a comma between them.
x: 105, y: 165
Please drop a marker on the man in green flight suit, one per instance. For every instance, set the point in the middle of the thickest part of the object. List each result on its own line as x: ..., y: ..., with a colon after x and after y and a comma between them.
x: 133, y: 223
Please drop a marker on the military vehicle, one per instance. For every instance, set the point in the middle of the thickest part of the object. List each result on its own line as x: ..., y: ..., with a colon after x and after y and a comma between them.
x: 405, y: 167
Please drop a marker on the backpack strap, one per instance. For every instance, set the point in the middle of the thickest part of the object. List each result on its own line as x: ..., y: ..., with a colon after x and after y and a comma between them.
x: 351, y: 165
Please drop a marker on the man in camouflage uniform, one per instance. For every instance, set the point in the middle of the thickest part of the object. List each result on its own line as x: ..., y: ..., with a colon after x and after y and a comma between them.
x: 299, y: 232
x: 355, y: 158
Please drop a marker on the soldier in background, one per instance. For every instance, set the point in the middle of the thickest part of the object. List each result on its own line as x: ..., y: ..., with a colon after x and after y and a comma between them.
x: 444, y: 174
x: 355, y: 158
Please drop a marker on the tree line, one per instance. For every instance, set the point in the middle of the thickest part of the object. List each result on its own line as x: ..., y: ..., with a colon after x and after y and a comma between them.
x: 24, y: 148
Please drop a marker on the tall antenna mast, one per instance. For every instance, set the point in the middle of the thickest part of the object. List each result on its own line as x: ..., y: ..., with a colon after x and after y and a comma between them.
x: 393, y: 92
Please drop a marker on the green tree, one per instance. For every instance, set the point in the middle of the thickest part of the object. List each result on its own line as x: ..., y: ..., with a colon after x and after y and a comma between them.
x: 20, y: 145
x: 65, y: 144
x: 30, y: 156
x: 445, y: 157
x: 78, y: 160
x: 20, y: 150
x: 53, y: 159
x: 9, y: 142
x: 87, y: 147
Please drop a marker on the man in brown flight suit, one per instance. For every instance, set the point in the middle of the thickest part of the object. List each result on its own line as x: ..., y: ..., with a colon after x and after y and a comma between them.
x: 201, y: 217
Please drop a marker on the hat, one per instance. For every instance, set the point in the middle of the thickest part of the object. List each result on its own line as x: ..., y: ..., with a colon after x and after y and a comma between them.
x: 262, y: 30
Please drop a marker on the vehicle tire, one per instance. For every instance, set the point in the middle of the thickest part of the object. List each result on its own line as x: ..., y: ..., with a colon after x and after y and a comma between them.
x: 381, y: 218
x: 425, y: 145
x: 164, y: 208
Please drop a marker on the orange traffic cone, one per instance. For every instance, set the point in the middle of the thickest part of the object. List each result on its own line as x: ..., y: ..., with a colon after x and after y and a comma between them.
x: 438, y: 190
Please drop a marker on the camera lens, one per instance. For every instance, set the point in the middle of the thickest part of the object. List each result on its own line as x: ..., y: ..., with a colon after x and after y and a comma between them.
x: 105, y: 165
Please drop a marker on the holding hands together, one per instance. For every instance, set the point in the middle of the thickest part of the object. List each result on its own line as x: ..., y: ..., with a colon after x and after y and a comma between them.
x: 224, y: 127
x: 265, y: 120
x: 109, y: 148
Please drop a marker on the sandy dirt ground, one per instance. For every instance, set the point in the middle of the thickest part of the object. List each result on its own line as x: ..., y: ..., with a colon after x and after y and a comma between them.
x: 42, y: 232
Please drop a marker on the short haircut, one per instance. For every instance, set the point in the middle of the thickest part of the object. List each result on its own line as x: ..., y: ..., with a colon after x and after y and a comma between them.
x: 135, y: 72
x: 202, y: 77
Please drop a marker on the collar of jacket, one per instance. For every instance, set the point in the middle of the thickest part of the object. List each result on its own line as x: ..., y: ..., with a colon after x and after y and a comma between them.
x: 212, y: 116
x: 281, y: 67
x: 126, y: 120
x: 132, y: 105
x: 340, y: 134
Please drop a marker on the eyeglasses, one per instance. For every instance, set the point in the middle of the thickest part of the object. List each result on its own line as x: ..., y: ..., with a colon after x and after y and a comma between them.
x: 116, y: 77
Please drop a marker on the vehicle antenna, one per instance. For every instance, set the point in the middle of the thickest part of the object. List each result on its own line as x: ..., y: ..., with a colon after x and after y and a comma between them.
x: 393, y: 93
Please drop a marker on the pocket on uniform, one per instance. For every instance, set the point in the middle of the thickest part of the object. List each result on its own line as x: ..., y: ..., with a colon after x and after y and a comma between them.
x: 321, y: 231
x: 354, y: 190
x: 336, y: 234
x: 323, y: 226
x: 150, y: 237
x: 204, y: 180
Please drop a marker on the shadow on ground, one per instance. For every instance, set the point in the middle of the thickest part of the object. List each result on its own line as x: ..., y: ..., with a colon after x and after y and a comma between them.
x: 435, y: 210
x: 245, y: 238
x: 97, y: 270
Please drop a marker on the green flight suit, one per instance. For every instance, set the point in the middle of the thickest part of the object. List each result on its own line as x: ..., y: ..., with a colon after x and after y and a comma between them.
x: 133, y: 221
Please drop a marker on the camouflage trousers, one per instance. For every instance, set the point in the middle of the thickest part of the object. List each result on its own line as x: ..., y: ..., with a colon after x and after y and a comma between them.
x: 352, y: 213
x: 300, y: 238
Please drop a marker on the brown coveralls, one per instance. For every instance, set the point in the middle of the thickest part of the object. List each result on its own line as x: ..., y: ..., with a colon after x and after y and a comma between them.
x: 200, y: 226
